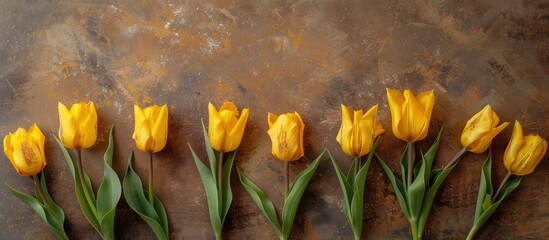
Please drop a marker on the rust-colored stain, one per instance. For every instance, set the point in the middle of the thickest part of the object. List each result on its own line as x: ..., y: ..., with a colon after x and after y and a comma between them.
x: 276, y: 56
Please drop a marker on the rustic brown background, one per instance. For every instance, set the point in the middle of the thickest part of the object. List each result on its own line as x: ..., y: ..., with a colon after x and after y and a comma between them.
x: 278, y: 56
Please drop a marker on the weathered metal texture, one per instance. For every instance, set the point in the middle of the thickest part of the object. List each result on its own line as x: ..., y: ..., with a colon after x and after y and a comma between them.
x: 277, y: 56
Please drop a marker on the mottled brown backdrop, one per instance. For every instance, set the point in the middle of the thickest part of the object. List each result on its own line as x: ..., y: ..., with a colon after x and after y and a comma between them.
x: 278, y: 56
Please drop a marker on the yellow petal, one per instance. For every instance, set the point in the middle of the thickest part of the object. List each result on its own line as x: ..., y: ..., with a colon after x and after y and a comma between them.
x: 427, y: 100
x: 478, y: 126
x: 230, y: 107
x: 271, y: 119
x: 344, y: 137
x: 356, y: 139
x: 484, y: 142
x: 160, y: 128
x: 38, y: 138
x: 67, y: 126
x: 26, y: 155
x: 88, y: 126
x: 216, y: 130
x: 529, y: 156
x: 237, y: 132
x: 8, y: 148
x: 514, y: 146
x: 142, y: 133
x: 415, y: 125
x: 284, y: 134
x: 301, y: 149
x: 396, y: 101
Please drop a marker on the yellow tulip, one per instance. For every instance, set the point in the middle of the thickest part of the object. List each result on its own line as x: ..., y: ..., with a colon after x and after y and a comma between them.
x: 25, y: 150
x: 151, y: 128
x: 523, y: 154
x: 410, y: 114
x: 358, y: 131
x: 226, y: 127
x: 77, y: 126
x: 286, y: 132
x: 481, y: 129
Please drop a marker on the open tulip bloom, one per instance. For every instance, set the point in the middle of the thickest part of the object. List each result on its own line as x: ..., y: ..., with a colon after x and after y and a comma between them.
x: 358, y: 138
x: 286, y: 132
x: 25, y: 150
x: 225, y: 131
x: 77, y: 131
x: 150, y: 135
x: 521, y: 157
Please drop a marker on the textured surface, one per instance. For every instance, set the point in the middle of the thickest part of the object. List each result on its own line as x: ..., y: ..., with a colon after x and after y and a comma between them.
x: 278, y: 56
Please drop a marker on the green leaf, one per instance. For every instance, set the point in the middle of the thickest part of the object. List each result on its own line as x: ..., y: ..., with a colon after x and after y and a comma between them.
x: 294, y: 196
x: 135, y: 197
x: 210, y: 186
x: 86, y: 204
x: 351, y: 173
x: 400, y: 191
x: 485, y: 187
x: 227, y: 194
x: 357, y: 202
x: 484, y: 208
x: 109, y: 193
x: 57, y: 211
x: 429, y: 156
x: 261, y: 200
x: 509, y: 187
x: 54, y: 224
x: 437, y: 177
x: 416, y: 192
x: 345, y: 187
x: 213, y: 155
x: 161, y: 212
x: 404, y: 167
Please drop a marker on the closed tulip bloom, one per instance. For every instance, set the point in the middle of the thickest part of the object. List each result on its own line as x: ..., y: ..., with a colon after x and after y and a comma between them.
x: 286, y: 132
x: 481, y: 129
x: 25, y: 150
x: 410, y: 115
x: 77, y: 126
x: 151, y: 128
x: 523, y: 154
x: 226, y: 126
x: 358, y: 131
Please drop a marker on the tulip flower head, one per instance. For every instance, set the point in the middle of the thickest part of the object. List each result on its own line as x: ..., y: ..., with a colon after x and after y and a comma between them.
x: 151, y: 128
x: 25, y: 150
x: 481, y: 129
x: 286, y: 132
x: 77, y: 126
x: 410, y: 115
x: 358, y: 131
x: 226, y: 126
x: 523, y: 154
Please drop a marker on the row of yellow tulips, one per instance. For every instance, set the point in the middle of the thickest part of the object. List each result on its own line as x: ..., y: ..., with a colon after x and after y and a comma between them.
x: 410, y: 115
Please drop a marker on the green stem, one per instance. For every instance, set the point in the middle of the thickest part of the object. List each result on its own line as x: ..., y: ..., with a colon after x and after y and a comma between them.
x: 218, y: 237
x: 505, y: 180
x: 287, y: 180
x: 410, y: 163
x: 83, y: 181
x: 41, y: 192
x: 151, y: 195
x: 472, y: 233
x: 413, y: 224
x: 455, y: 158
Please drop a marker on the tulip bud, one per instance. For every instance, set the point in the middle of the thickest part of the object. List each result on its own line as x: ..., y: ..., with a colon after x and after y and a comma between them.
x: 358, y: 131
x: 151, y: 128
x: 25, y: 150
x: 286, y: 132
x: 523, y: 154
x: 410, y: 114
x: 77, y: 127
x: 481, y: 129
x: 226, y: 127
